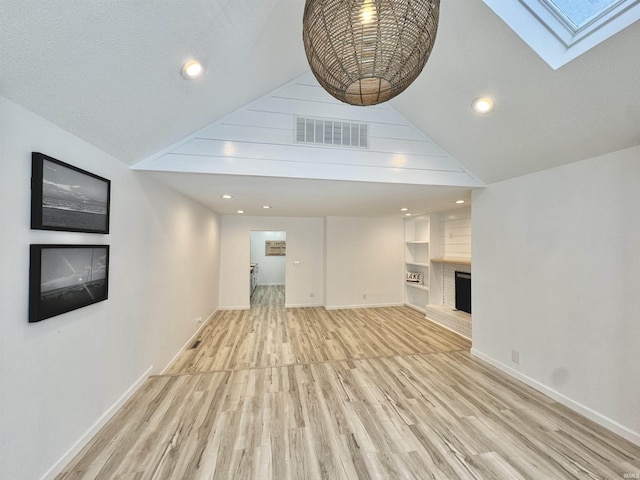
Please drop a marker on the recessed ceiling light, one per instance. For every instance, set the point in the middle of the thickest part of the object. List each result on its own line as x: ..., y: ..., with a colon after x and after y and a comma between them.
x: 459, y: 201
x: 404, y: 209
x: 191, y: 70
x: 407, y: 214
x: 482, y: 105
x: 266, y: 206
x: 226, y: 196
x: 240, y: 211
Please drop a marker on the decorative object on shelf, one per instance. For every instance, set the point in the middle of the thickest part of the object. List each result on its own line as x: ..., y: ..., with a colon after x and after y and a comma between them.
x: 66, y: 277
x: 365, y: 52
x: 414, y: 277
x: 64, y: 197
x: 276, y: 248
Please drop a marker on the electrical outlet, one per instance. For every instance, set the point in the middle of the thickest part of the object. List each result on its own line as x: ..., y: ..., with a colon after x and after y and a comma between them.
x: 364, y: 296
x: 515, y: 357
x: 199, y: 320
x: 312, y: 294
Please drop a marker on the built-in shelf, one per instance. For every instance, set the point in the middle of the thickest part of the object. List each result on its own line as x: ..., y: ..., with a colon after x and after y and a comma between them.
x: 417, y: 285
x: 417, y: 262
x: 456, y: 261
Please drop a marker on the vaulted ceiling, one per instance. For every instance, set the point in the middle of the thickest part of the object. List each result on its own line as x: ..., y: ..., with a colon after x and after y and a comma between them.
x: 108, y: 72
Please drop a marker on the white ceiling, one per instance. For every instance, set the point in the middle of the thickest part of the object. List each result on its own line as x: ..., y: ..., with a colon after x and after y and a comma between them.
x: 108, y: 72
x: 313, y: 198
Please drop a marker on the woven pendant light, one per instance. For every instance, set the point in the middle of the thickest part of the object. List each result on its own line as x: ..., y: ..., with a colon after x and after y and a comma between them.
x: 365, y: 52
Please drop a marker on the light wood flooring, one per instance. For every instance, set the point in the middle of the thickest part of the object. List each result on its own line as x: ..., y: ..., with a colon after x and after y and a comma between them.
x: 304, y: 393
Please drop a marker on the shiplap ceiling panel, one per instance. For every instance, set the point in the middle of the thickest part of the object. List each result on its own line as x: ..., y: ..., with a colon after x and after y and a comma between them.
x: 378, y: 142
x: 307, y: 153
x: 337, y: 110
x: 283, y: 121
x: 259, y: 139
x: 240, y: 133
x: 251, y: 118
x: 401, y: 132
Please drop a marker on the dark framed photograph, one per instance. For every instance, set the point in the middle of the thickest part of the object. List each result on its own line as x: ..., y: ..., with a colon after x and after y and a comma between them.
x: 66, y: 198
x: 66, y: 277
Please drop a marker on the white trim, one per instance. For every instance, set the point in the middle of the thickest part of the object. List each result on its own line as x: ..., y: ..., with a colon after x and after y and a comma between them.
x: 241, y: 307
x: 372, y: 305
x: 188, y: 342
x: 302, y: 305
x: 600, y: 419
x: 57, y: 467
x: 416, y: 308
x: 270, y: 285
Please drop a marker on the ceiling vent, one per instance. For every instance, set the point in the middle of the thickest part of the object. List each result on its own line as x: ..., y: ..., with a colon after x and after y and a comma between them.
x: 332, y: 132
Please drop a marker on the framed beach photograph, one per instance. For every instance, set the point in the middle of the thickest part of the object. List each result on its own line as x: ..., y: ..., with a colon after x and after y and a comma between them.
x: 66, y: 277
x: 66, y: 198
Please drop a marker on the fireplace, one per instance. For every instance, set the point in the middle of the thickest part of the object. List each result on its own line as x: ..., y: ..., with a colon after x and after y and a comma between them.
x: 463, y: 291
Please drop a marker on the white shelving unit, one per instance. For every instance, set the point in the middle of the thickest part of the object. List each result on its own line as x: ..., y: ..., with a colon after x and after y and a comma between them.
x: 417, y: 260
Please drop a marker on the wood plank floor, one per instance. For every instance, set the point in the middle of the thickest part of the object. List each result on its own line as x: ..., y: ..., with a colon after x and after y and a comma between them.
x: 270, y: 335
x: 298, y: 394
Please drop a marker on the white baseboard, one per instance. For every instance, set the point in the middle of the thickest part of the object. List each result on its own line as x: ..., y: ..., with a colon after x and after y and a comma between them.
x: 369, y: 305
x: 240, y: 307
x: 415, y: 307
x: 57, y: 467
x: 271, y: 285
x: 188, y: 342
x: 302, y: 305
x: 600, y: 419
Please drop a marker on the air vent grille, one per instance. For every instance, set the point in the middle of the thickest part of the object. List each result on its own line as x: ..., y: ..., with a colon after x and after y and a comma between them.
x: 332, y: 132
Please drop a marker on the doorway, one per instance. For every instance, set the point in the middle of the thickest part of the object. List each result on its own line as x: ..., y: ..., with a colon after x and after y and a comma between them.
x: 267, y: 268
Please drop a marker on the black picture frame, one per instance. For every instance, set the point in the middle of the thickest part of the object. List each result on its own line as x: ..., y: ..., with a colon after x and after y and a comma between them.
x: 67, y: 198
x: 63, y: 278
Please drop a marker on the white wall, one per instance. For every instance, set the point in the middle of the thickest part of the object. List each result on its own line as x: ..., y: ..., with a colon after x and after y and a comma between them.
x: 365, y: 257
x: 455, y: 233
x: 304, y: 245
x: 556, y: 270
x: 59, y: 376
x: 271, y: 269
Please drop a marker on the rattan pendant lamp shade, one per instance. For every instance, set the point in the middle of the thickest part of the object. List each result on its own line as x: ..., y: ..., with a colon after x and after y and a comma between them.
x: 365, y: 52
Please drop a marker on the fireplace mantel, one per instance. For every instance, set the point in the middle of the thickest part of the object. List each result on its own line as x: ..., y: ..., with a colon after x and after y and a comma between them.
x: 456, y: 261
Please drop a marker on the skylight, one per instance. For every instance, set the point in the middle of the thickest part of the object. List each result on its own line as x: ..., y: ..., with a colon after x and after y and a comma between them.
x: 580, y: 13
x: 561, y: 30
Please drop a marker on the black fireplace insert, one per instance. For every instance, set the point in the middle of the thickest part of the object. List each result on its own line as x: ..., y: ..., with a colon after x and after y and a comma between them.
x: 463, y: 291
